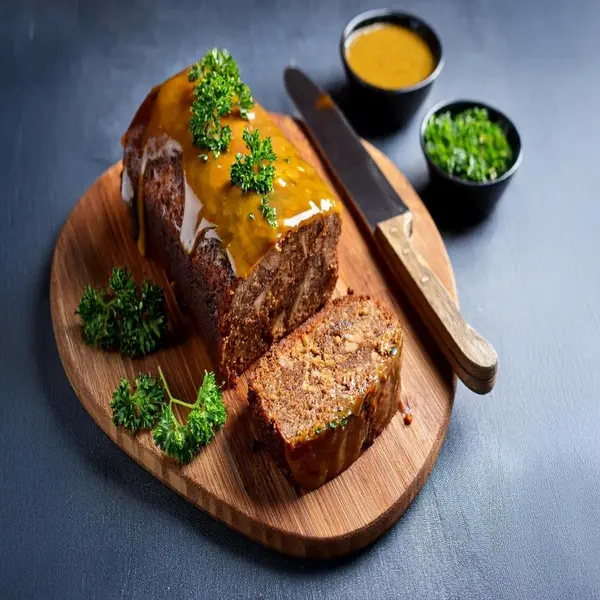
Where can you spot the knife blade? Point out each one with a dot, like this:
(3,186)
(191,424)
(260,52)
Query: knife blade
(343,150)
(472,357)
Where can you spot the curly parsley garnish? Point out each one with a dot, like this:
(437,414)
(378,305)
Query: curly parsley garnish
(123,318)
(207,416)
(218,91)
(468,145)
(254,172)
(142,408)
(137,410)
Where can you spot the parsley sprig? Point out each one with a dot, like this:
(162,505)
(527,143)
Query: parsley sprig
(123,318)
(218,91)
(468,145)
(146,408)
(207,416)
(137,410)
(254,172)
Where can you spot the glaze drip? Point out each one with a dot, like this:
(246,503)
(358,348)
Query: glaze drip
(212,204)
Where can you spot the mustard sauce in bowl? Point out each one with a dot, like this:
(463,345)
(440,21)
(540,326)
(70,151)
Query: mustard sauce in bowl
(389,56)
(391,60)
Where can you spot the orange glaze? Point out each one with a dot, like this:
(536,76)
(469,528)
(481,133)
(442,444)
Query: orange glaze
(297,187)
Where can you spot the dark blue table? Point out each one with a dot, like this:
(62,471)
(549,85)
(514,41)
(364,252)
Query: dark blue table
(512,509)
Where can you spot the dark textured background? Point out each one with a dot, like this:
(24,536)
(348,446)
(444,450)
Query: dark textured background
(512,509)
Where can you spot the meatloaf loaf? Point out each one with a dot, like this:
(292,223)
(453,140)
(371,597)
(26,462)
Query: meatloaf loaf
(325,392)
(245,282)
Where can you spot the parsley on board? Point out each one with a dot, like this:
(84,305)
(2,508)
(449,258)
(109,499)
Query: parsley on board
(207,416)
(123,318)
(137,410)
(144,407)
(218,91)
(468,145)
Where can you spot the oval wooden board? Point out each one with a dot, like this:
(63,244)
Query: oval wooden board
(235,484)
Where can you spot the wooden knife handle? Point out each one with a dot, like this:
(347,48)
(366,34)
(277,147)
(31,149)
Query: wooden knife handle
(473,358)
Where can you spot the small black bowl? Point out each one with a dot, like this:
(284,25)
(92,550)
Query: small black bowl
(458,201)
(393,108)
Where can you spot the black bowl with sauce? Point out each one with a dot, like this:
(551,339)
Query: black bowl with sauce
(392,108)
(459,202)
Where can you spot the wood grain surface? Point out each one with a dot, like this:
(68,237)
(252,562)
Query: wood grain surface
(228,479)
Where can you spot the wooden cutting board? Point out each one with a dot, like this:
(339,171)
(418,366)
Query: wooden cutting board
(230,479)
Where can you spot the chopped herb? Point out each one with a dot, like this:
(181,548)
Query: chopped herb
(140,409)
(268,212)
(218,91)
(287,159)
(339,423)
(394,351)
(468,145)
(254,171)
(121,318)
(251,216)
(207,416)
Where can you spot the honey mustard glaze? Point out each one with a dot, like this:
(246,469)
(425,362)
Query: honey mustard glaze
(216,208)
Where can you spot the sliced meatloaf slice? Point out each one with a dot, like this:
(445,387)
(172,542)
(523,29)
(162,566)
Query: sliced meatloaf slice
(325,392)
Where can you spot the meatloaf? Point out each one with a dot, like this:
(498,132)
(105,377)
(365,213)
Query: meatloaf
(246,283)
(325,392)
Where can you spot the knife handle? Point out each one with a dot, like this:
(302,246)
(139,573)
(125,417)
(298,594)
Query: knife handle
(473,358)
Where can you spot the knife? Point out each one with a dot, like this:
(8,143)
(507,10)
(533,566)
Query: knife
(473,359)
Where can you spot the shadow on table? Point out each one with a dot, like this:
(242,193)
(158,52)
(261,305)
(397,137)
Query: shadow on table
(448,219)
(365,121)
